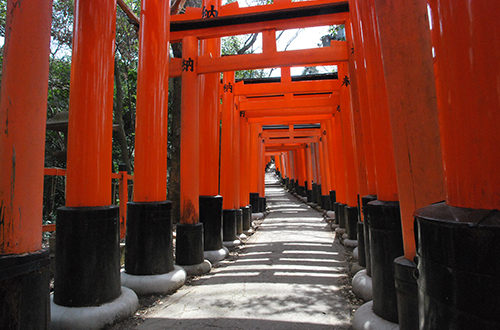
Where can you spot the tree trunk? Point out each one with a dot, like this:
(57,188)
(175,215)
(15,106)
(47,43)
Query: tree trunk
(174,137)
(122,139)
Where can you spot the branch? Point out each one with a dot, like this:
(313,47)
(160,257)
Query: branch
(248,43)
(130,14)
(177,6)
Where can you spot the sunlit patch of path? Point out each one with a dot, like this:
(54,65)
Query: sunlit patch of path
(287,276)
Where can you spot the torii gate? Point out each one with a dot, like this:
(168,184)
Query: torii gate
(393,145)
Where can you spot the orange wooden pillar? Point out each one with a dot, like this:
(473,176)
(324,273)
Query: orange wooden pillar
(261,175)
(244,191)
(358,134)
(147,252)
(358,73)
(407,58)
(88,227)
(340,173)
(309,172)
(23,293)
(460,238)
(210,212)
(236,154)
(227,163)
(360,78)
(189,240)
(331,160)
(303,170)
(325,172)
(351,186)
(316,188)
(382,213)
(253,166)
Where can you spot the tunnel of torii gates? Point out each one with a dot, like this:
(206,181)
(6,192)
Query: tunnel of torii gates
(405,132)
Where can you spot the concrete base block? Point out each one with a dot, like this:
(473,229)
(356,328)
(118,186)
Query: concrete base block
(199,269)
(97,317)
(355,253)
(350,243)
(257,216)
(362,285)
(234,243)
(249,232)
(152,284)
(340,231)
(333,226)
(214,256)
(355,268)
(330,214)
(243,236)
(366,319)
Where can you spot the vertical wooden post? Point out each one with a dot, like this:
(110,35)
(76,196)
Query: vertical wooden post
(22,125)
(227,135)
(406,49)
(209,130)
(149,248)
(465,38)
(190,175)
(24,288)
(88,179)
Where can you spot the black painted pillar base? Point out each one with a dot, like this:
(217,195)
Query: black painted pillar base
(239,221)
(317,198)
(361,245)
(342,222)
(254,202)
(309,194)
(24,290)
(333,197)
(211,217)
(325,202)
(336,210)
(88,256)
(406,292)
(246,217)
(229,225)
(306,185)
(366,231)
(148,249)
(189,244)
(351,221)
(458,253)
(386,244)
(262,204)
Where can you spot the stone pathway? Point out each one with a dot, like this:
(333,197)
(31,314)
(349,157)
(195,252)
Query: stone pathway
(289,275)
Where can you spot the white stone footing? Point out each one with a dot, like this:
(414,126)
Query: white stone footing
(242,236)
(362,285)
(330,214)
(151,284)
(198,269)
(214,256)
(366,319)
(350,243)
(355,253)
(234,243)
(257,216)
(249,232)
(340,231)
(95,317)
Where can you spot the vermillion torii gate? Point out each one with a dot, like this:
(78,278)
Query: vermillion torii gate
(390,147)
